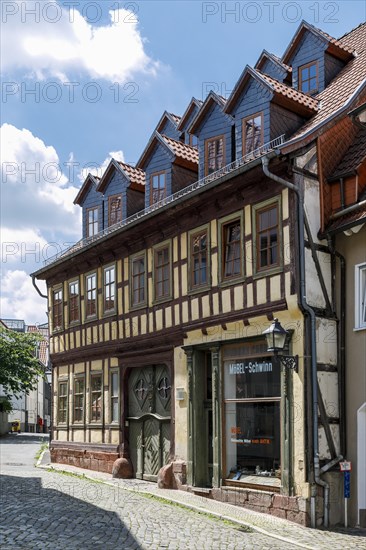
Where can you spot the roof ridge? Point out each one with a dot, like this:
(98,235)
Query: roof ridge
(352,30)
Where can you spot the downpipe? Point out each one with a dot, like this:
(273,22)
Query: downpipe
(314,379)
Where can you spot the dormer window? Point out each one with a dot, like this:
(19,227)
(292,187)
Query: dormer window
(308,78)
(92,222)
(193,141)
(157,187)
(252,133)
(114,209)
(214,154)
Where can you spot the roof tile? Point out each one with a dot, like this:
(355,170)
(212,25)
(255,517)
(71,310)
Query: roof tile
(136,175)
(301,98)
(182,150)
(353,157)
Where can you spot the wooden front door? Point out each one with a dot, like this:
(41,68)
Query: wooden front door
(149,405)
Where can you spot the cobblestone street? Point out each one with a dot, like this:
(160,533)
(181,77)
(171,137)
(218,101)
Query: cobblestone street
(49,509)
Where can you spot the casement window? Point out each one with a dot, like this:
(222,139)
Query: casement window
(252,133)
(199,259)
(214,154)
(91,295)
(162,272)
(138,280)
(308,78)
(62,402)
(114,396)
(157,187)
(96,397)
(109,290)
(74,302)
(92,222)
(79,398)
(231,250)
(360,296)
(114,209)
(267,237)
(57,309)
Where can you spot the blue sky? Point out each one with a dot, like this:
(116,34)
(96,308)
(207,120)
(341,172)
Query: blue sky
(83,82)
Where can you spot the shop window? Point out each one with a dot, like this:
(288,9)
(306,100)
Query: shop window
(62,402)
(79,393)
(252,133)
(91,295)
(109,289)
(214,154)
(252,417)
(96,397)
(138,280)
(360,296)
(114,209)
(74,302)
(114,396)
(199,259)
(308,78)
(57,309)
(91,222)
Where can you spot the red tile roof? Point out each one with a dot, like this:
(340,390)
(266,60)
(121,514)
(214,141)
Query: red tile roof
(43,345)
(299,97)
(353,157)
(348,220)
(355,39)
(176,118)
(338,94)
(135,175)
(182,150)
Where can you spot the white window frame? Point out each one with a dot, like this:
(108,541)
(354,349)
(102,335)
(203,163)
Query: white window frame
(360,296)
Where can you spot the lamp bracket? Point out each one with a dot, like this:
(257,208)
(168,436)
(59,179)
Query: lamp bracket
(289,361)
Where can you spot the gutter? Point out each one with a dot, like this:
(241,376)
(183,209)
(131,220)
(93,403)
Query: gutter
(348,210)
(36,287)
(314,378)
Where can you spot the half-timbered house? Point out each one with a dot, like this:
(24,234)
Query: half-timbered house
(160,366)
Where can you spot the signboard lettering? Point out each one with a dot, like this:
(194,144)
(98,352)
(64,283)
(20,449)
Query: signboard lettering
(250,367)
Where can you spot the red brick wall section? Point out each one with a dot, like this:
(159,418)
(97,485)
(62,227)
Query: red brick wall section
(90,460)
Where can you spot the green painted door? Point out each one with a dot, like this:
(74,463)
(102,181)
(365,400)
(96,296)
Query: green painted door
(149,405)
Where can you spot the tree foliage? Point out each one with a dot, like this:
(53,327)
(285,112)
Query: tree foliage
(19,366)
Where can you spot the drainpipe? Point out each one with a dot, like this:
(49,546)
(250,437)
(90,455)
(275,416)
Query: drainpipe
(36,287)
(305,306)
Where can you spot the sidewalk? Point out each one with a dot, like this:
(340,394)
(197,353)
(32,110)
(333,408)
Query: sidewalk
(280,529)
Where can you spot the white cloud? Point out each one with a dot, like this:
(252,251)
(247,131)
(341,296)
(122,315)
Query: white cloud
(49,48)
(20,300)
(35,192)
(99,170)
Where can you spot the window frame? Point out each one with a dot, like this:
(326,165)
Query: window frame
(243,134)
(158,175)
(114,371)
(222,225)
(360,296)
(165,245)
(191,235)
(94,374)
(62,382)
(135,258)
(256,209)
(77,379)
(300,79)
(71,300)
(88,224)
(113,286)
(89,317)
(207,142)
(119,211)
(57,309)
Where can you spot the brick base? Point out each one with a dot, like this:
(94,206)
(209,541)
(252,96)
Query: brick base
(89,459)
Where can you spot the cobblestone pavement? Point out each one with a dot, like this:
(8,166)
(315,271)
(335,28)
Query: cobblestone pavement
(47,509)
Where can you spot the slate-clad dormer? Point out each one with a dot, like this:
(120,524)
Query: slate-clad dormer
(168,125)
(186,120)
(123,190)
(91,203)
(264,109)
(169,166)
(316,58)
(270,64)
(213,128)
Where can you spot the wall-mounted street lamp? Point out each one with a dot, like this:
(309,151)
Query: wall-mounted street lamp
(276,337)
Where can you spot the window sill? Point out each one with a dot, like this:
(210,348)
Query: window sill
(161,301)
(267,272)
(137,307)
(91,319)
(232,281)
(199,289)
(109,313)
(358,329)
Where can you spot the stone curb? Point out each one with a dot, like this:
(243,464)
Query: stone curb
(170,500)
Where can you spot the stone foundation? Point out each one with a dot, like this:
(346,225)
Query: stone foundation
(84,456)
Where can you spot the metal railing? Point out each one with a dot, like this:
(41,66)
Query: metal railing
(225,170)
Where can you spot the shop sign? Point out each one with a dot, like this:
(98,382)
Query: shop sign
(250,367)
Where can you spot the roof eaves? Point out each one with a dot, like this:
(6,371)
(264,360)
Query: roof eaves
(113,164)
(89,180)
(193,103)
